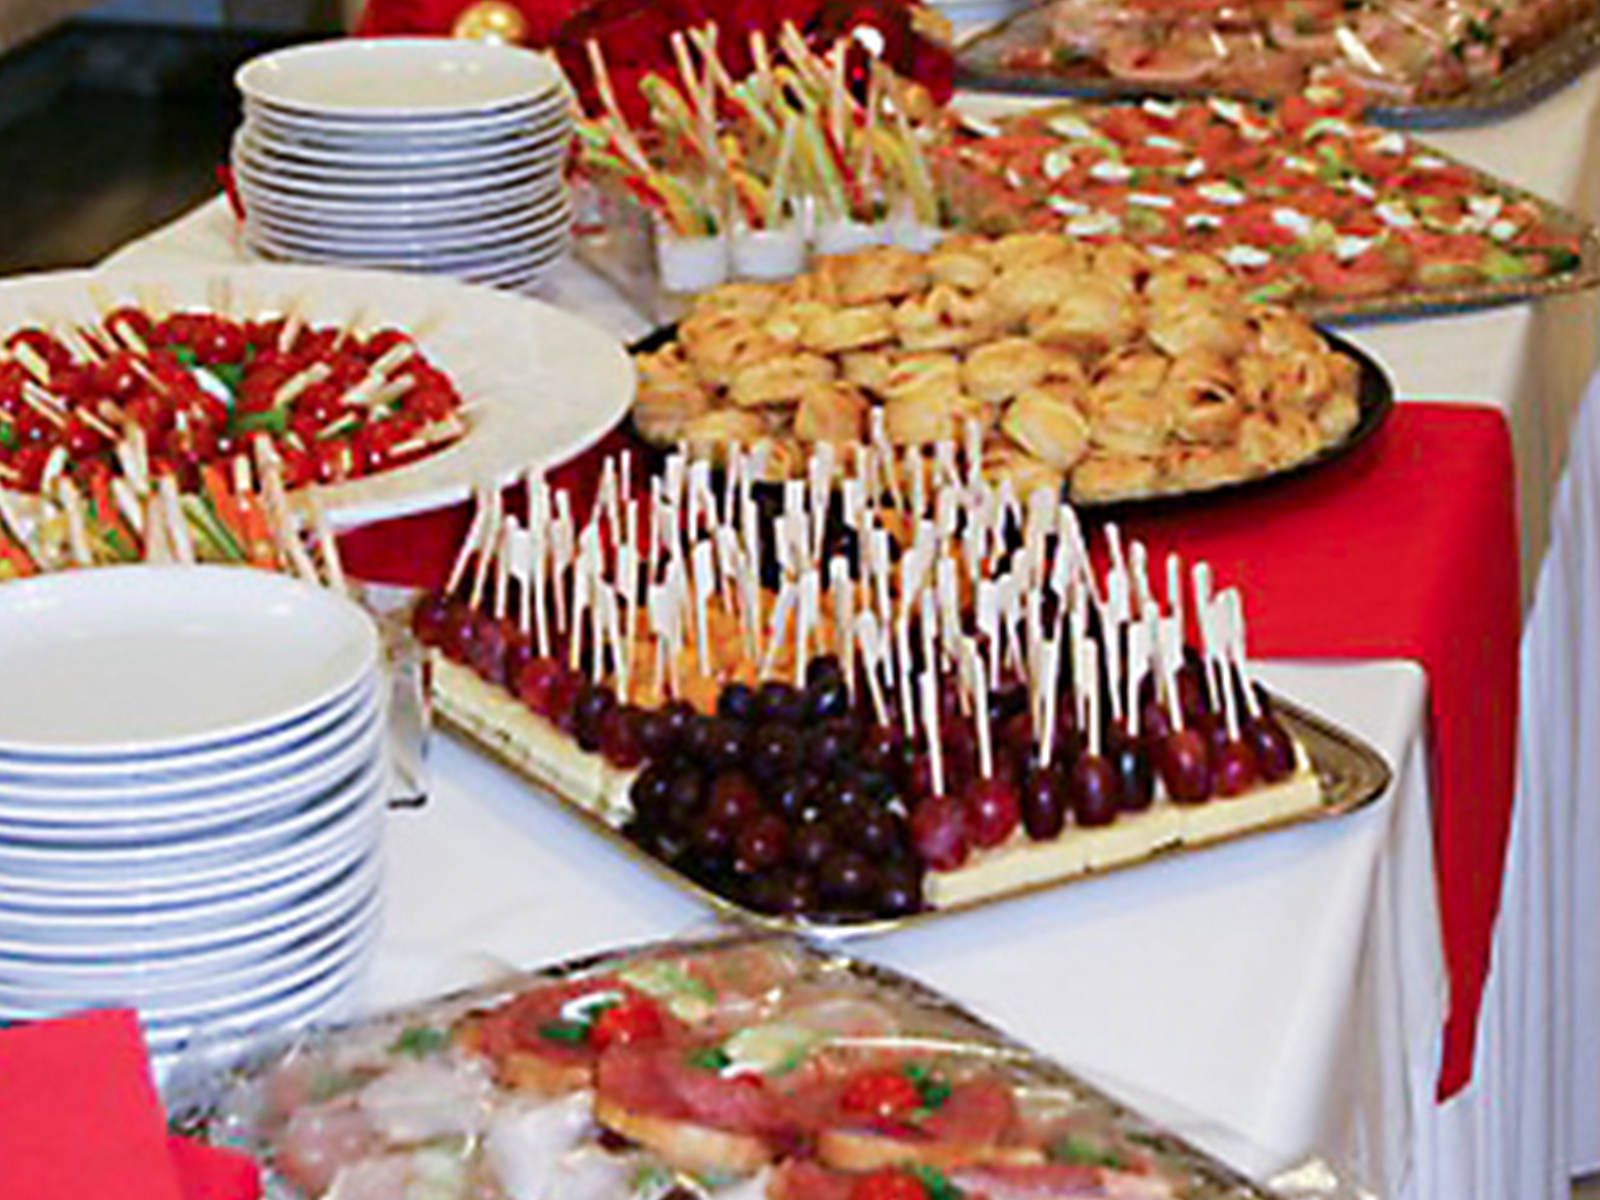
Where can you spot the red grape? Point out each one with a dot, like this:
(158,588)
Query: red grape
(938,831)
(992,811)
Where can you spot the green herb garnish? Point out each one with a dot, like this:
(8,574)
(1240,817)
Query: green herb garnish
(937,1183)
(712,1058)
(1084,1153)
(571,1032)
(420,1041)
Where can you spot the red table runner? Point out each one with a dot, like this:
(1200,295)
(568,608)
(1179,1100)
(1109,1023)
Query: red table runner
(1407,549)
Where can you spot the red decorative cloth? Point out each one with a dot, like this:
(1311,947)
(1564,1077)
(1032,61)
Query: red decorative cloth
(636,34)
(80,1120)
(1407,549)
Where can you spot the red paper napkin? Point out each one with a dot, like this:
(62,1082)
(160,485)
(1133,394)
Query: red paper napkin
(1407,549)
(80,1120)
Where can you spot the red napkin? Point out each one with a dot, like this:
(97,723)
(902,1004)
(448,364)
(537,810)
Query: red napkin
(80,1120)
(1407,550)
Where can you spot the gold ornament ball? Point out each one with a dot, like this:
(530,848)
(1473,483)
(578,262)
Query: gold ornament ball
(491,21)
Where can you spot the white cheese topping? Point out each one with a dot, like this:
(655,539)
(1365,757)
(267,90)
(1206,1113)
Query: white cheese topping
(1324,125)
(1348,247)
(1149,200)
(1194,168)
(1221,193)
(1429,162)
(1249,257)
(1389,143)
(1094,225)
(1295,221)
(1057,163)
(1068,208)
(1202,221)
(1159,142)
(1362,188)
(1110,171)
(1503,231)
(1395,216)
(1072,127)
(1167,110)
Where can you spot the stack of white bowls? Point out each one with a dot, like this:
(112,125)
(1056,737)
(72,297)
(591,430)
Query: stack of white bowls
(425,154)
(192,787)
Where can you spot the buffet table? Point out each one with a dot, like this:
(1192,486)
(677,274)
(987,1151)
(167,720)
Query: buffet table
(1290,989)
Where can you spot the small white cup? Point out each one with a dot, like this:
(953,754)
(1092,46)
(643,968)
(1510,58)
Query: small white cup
(687,265)
(765,254)
(841,235)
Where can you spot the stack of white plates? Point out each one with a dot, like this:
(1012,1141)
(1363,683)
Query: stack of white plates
(192,788)
(426,154)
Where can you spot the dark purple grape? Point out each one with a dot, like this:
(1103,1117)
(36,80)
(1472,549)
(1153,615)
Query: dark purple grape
(697,738)
(519,653)
(734,800)
(1135,777)
(1273,746)
(787,893)
(831,744)
(1044,804)
(826,696)
(429,618)
(845,797)
(788,796)
(649,793)
(726,742)
(713,840)
(847,878)
(1236,770)
(1094,790)
(1192,692)
(779,704)
(737,702)
(1184,762)
(669,845)
(761,845)
(774,750)
(656,737)
(811,846)
(592,703)
(881,748)
(619,736)
(679,716)
(899,891)
(686,796)
(1154,723)
(879,833)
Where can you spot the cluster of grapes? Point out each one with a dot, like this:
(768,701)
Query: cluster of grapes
(797,801)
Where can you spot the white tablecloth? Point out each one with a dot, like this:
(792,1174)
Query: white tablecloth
(1290,990)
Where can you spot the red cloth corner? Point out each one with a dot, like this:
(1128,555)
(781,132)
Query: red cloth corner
(79,1116)
(1407,550)
(212,1173)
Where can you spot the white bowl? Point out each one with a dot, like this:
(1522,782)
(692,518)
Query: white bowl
(141,660)
(402,78)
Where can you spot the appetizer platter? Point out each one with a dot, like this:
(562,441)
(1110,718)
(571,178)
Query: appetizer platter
(750,177)
(384,394)
(1310,205)
(1438,63)
(742,1068)
(1106,371)
(939,704)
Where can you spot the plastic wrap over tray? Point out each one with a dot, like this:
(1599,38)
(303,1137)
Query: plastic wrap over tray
(742,1067)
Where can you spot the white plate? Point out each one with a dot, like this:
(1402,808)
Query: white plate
(231,782)
(141,660)
(200,961)
(134,822)
(111,926)
(332,999)
(516,223)
(467,271)
(444,188)
(399,77)
(545,385)
(446,208)
(449,254)
(138,980)
(547,154)
(32,953)
(177,1000)
(305,835)
(467,155)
